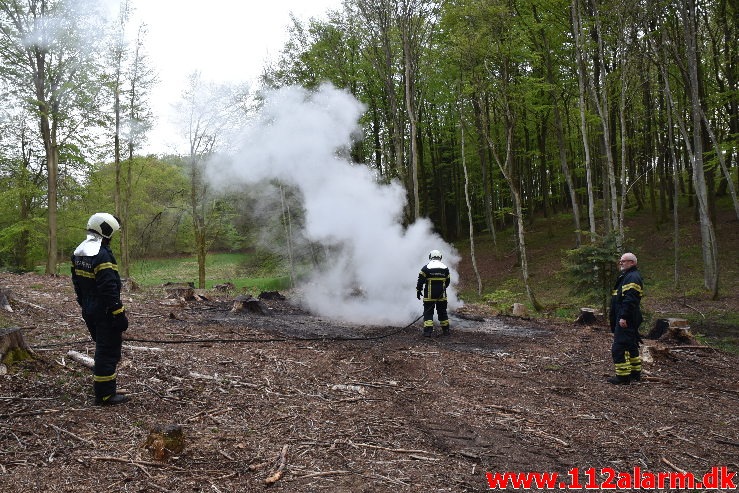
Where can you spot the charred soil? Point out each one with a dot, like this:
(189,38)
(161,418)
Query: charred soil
(314,404)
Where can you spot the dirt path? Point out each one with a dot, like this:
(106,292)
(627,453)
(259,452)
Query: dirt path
(399,413)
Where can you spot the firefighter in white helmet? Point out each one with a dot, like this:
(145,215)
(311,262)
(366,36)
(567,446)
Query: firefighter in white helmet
(432,283)
(98,288)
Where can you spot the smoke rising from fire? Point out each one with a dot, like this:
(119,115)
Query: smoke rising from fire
(301,138)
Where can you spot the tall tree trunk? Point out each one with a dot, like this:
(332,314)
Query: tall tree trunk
(708,237)
(481,124)
(600,98)
(676,191)
(412,119)
(469,218)
(583,112)
(507,170)
(722,162)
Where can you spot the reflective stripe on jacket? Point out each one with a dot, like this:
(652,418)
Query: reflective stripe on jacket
(626,298)
(96,281)
(433,281)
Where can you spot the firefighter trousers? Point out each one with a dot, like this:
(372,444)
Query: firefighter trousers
(625,351)
(108,343)
(428,315)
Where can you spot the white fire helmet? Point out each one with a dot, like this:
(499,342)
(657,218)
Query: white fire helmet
(434,255)
(103,224)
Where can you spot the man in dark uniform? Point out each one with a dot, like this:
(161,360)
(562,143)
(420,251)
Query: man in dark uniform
(98,288)
(432,283)
(625,320)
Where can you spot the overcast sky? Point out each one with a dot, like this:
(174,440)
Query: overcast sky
(227,40)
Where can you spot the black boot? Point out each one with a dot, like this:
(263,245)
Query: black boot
(635,376)
(619,380)
(428,332)
(112,400)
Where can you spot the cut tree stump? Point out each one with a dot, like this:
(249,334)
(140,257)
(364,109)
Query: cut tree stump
(165,441)
(180,291)
(130,285)
(5,296)
(588,316)
(13,347)
(225,287)
(519,310)
(248,303)
(671,328)
(271,295)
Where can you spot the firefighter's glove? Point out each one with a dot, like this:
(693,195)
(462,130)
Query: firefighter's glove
(120,320)
(418,295)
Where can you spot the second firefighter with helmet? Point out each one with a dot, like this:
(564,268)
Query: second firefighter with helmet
(433,280)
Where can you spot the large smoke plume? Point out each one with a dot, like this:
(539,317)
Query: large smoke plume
(300,138)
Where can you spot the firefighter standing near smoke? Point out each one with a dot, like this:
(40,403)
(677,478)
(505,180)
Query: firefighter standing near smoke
(432,283)
(98,288)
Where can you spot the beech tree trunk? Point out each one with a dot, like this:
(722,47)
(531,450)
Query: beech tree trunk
(583,112)
(469,218)
(708,237)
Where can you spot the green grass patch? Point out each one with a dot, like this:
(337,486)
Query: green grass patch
(219,268)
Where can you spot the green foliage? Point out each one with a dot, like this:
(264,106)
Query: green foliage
(592,269)
(503,297)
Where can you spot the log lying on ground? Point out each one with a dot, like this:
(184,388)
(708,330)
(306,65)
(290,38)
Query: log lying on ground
(12,346)
(81,359)
(248,303)
(5,300)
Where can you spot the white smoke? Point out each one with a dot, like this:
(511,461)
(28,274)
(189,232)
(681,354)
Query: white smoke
(298,139)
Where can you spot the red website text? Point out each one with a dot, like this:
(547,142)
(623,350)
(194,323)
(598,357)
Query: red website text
(718,478)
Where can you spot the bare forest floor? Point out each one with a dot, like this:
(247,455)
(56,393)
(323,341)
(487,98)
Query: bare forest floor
(394,413)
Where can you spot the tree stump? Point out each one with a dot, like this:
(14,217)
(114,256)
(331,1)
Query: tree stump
(164,441)
(13,347)
(271,295)
(671,328)
(225,287)
(248,303)
(183,291)
(130,285)
(588,316)
(5,300)
(519,310)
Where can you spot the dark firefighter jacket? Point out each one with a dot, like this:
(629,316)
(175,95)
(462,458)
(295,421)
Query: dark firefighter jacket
(433,281)
(626,298)
(97,283)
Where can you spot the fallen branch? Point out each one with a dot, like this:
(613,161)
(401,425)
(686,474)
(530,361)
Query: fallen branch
(397,450)
(681,471)
(693,308)
(81,359)
(280,469)
(85,440)
(28,303)
(709,348)
(318,474)
(726,442)
(137,462)
(141,348)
